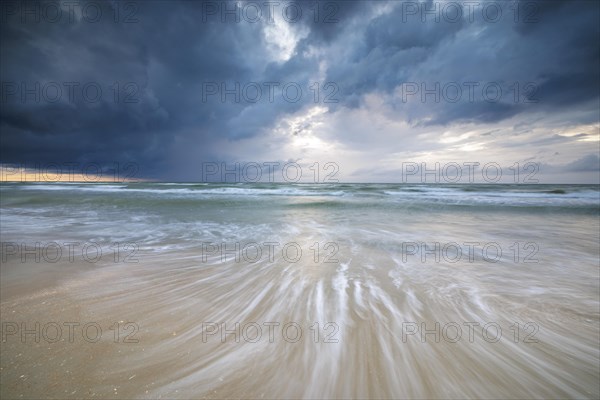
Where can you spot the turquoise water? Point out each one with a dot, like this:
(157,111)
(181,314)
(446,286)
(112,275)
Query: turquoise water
(155,213)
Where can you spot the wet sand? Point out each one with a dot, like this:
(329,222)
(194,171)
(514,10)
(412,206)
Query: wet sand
(172,298)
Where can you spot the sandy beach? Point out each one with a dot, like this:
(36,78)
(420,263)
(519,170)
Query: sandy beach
(370,318)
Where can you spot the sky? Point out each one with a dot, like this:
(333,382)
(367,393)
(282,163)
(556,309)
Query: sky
(373,91)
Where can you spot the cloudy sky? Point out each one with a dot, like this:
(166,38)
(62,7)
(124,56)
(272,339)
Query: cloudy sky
(370,86)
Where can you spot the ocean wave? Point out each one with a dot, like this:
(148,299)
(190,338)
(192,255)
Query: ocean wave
(349,195)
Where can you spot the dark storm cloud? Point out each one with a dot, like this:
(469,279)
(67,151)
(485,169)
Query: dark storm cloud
(169,51)
(163,57)
(553,48)
(327,19)
(391,46)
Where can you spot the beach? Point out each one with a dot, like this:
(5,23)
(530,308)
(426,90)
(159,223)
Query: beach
(187,290)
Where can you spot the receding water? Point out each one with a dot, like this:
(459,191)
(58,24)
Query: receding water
(154,290)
